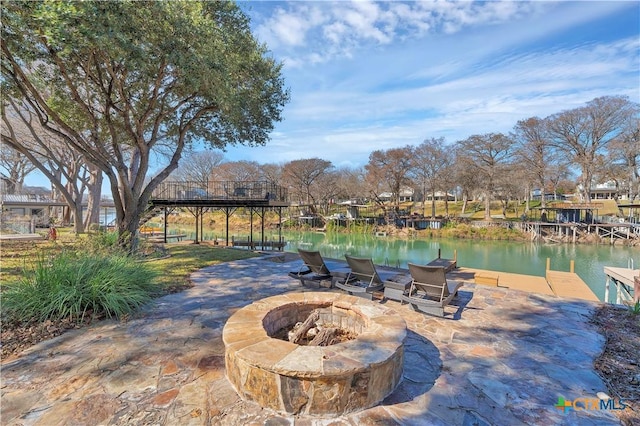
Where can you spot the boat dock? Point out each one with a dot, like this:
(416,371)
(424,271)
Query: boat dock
(556,283)
(569,284)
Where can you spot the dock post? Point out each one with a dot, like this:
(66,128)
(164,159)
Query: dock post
(439,252)
(606,289)
(572,264)
(455,255)
(548,264)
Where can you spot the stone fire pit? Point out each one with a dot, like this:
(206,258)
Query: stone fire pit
(314,380)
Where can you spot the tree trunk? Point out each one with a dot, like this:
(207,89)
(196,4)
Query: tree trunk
(487,206)
(433,204)
(95,195)
(77,220)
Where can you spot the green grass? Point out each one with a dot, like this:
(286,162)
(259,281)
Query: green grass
(74,285)
(87,276)
(184,259)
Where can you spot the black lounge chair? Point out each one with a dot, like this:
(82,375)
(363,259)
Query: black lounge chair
(363,278)
(430,290)
(314,269)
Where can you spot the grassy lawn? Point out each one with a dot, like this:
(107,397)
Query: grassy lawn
(173,270)
(186,258)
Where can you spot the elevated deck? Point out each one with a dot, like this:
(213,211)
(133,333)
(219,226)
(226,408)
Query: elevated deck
(218,194)
(199,197)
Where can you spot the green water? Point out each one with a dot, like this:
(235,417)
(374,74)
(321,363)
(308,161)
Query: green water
(516,257)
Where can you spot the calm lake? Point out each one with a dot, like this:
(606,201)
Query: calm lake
(516,257)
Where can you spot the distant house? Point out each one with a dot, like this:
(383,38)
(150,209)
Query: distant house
(536,195)
(440,196)
(605,191)
(405,195)
(32,207)
(39,207)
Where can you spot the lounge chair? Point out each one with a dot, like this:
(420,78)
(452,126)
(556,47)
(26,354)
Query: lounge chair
(430,290)
(363,278)
(314,269)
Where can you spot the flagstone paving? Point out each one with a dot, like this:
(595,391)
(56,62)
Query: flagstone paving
(503,358)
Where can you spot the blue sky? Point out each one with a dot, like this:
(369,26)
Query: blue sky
(376,75)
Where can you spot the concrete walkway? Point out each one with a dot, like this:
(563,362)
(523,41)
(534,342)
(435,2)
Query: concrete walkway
(503,358)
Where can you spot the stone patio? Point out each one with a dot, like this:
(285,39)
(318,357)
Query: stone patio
(503,357)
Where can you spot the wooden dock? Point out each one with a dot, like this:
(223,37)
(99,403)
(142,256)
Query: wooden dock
(529,283)
(569,284)
(556,283)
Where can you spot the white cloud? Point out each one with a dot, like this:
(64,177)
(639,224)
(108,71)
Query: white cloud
(334,29)
(379,75)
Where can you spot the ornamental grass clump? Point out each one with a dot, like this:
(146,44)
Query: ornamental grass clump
(75,286)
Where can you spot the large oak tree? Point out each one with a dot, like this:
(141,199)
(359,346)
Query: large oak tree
(128,83)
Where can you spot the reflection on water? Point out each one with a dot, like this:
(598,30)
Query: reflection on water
(516,257)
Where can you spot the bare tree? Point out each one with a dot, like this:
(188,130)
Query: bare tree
(301,176)
(272,172)
(15,166)
(625,154)
(326,190)
(199,167)
(534,152)
(486,157)
(431,160)
(584,133)
(349,183)
(560,179)
(510,184)
(238,171)
(390,167)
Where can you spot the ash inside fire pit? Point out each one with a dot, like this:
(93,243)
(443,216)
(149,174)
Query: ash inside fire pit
(314,324)
(314,332)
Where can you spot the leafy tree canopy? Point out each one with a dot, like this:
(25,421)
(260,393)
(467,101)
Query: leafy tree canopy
(124,81)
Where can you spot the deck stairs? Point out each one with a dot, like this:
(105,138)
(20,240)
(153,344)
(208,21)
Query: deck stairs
(149,214)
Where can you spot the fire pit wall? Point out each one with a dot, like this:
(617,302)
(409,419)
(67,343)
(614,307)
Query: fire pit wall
(314,380)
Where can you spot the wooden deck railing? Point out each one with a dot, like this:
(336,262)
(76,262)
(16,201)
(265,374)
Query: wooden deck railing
(220,190)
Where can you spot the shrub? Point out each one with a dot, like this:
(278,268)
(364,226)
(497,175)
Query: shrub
(103,242)
(75,285)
